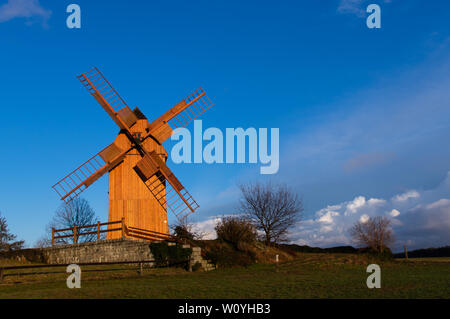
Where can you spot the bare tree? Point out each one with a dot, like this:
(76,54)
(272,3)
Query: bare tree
(7,239)
(77,212)
(272,208)
(375,233)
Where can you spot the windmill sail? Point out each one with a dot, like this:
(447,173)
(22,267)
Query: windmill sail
(172,195)
(108,98)
(81,178)
(180,115)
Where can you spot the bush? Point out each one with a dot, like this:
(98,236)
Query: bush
(182,232)
(224,255)
(236,231)
(166,255)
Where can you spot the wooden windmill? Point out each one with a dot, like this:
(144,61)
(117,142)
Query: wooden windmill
(141,186)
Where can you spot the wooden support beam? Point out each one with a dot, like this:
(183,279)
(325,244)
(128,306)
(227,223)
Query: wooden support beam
(75,239)
(123,227)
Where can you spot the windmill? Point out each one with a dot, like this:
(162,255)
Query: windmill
(141,186)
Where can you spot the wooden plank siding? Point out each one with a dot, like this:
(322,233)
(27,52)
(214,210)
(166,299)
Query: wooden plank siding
(128,196)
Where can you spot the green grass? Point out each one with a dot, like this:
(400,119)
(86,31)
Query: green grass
(308,276)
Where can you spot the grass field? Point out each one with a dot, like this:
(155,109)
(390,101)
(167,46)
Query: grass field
(308,276)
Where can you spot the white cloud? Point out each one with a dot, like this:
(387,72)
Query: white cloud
(364,218)
(355,7)
(394,213)
(351,7)
(405,196)
(23,9)
(357,203)
(206,227)
(419,225)
(439,204)
(326,229)
(327,216)
(376,201)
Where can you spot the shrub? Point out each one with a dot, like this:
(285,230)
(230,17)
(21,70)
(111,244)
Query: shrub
(183,232)
(236,231)
(224,255)
(166,255)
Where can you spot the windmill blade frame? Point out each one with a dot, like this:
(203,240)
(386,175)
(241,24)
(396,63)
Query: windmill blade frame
(87,173)
(105,94)
(183,113)
(173,196)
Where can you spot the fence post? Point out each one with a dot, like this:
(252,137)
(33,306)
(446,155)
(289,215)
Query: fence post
(75,234)
(123,227)
(1,274)
(98,231)
(406,252)
(53,236)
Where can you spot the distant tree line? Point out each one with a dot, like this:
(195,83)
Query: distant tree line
(427,252)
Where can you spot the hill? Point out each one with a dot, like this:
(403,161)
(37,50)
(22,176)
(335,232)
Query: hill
(428,252)
(308,249)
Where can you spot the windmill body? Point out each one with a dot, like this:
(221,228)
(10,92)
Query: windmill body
(129,198)
(141,186)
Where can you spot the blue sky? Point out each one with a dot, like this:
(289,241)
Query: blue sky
(362,112)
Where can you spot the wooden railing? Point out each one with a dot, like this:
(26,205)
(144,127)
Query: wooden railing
(126,231)
(140,264)
(146,234)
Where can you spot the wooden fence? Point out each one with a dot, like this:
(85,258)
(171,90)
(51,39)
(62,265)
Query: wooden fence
(140,263)
(126,232)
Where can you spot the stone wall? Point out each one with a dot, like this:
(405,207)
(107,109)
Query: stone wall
(115,250)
